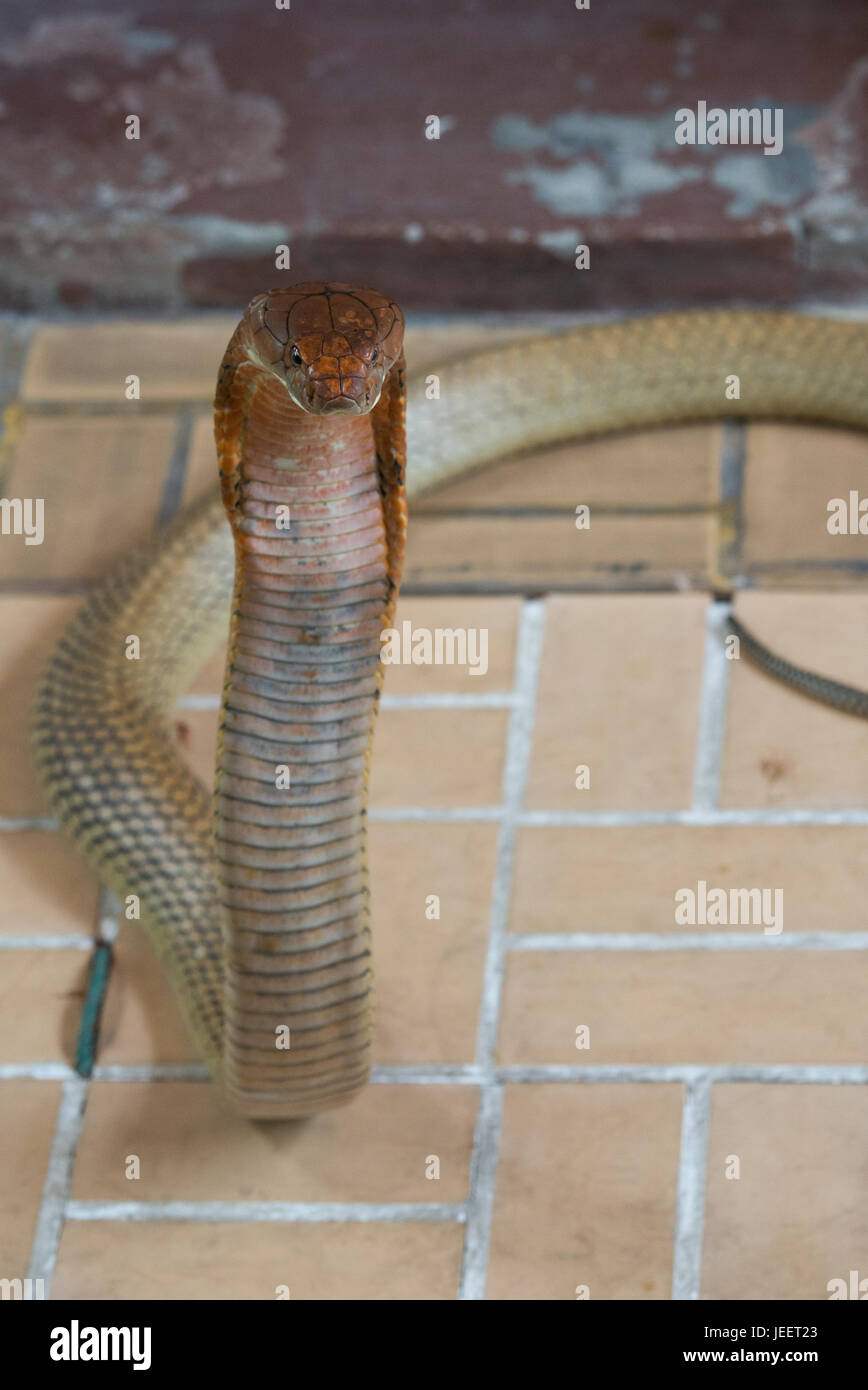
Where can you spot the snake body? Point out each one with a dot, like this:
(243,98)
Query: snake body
(257,904)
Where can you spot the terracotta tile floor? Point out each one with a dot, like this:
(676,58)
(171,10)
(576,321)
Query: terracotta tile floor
(574,1095)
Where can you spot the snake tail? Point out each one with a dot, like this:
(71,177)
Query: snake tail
(256,898)
(847,698)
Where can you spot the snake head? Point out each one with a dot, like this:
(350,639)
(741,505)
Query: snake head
(332,345)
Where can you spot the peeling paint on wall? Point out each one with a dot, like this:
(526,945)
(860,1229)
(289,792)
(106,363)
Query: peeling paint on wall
(258,130)
(561,243)
(198,132)
(626,159)
(619,165)
(835,219)
(755,182)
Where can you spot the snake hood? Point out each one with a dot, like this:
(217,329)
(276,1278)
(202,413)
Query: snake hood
(331,344)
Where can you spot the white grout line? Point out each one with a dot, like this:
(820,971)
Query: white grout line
(795,815)
(707,771)
(756,940)
(712,712)
(28,823)
(517,759)
(180,1071)
(70,1116)
(23,942)
(304,1212)
(486,1141)
(428,1075)
(770,1073)
(484,699)
(811,1073)
(433,813)
(111,912)
(55,1193)
(687,1260)
(480,1202)
(36,1071)
(690,941)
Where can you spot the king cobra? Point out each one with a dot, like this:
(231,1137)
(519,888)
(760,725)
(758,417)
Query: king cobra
(257,904)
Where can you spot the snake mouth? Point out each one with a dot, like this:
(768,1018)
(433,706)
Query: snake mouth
(340,405)
(315,398)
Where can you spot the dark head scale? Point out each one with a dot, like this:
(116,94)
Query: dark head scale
(332,344)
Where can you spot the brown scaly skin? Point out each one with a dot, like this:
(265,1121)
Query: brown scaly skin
(263,925)
(309,416)
(101,728)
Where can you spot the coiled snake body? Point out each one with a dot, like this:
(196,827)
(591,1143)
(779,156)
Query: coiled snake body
(260,911)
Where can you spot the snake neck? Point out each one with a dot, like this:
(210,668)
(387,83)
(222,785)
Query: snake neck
(302,681)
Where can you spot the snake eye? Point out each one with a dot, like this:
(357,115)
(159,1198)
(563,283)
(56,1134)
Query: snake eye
(374,355)
(295,355)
